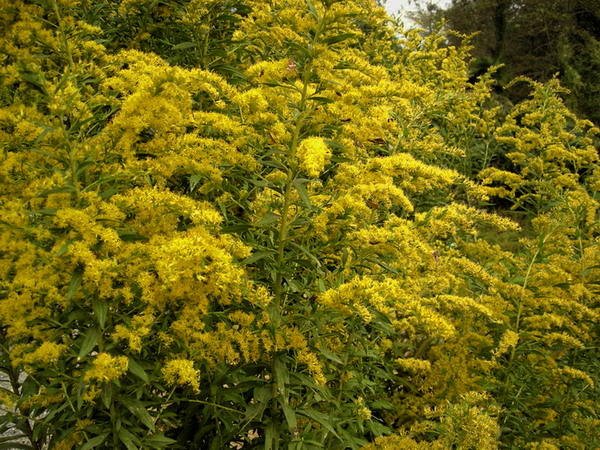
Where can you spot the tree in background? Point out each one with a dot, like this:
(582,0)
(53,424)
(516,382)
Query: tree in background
(538,39)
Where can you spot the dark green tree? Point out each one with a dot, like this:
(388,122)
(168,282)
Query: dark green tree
(536,38)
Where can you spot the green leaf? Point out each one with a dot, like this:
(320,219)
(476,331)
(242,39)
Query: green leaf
(45,212)
(37,79)
(63,249)
(351,438)
(262,395)
(321,99)
(74,283)
(259,183)
(321,284)
(158,440)
(12,437)
(312,9)
(59,190)
(307,253)
(107,193)
(332,82)
(137,370)
(282,375)
(300,48)
(402,381)
(137,408)
(331,356)
(290,415)
(338,38)
(40,432)
(89,342)
(273,163)
(15,446)
(304,442)
(295,285)
(551,426)
(382,404)
(84,165)
(340,159)
(184,45)
(106,395)
(256,256)
(100,307)
(94,442)
(299,185)
(321,418)
(130,236)
(228,70)
(236,228)
(268,219)
(195,181)
(60,159)
(270,433)
(127,438)
(382,264)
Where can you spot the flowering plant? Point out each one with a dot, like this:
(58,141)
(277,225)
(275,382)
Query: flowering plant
(276,224)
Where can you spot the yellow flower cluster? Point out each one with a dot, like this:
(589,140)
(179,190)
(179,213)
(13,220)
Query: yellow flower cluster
(106,367)
(181,372)
(140,328)
(313,364)
(313,154)
(414,365)
(46,353)
(508,341)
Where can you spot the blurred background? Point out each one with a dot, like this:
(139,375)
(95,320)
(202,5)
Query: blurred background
(540,39)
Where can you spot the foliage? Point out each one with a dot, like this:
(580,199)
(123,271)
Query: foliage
(537,39)
(279,224)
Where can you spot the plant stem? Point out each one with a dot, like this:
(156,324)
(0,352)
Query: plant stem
(113,416)
(291,175)
(520,312)
(63,35)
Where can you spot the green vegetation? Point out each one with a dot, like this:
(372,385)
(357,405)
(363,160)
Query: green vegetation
(534,38)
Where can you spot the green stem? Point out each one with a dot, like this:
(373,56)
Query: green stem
(291,175)
(284,228)
(63,35)
(282,236)
(520,310)
(115,433)
(525,282)
(216,405)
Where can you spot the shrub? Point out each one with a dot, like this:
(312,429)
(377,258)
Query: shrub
(251,224)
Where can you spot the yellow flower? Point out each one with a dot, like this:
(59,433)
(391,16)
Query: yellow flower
(182,372)
(313,154)
(91,394)
(509,340)
(315,368)
(107,367)
(414,365)
(46,353)
(361,410)
(296,338)
(140,328)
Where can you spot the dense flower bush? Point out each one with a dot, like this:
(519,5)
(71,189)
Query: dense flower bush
(286,223)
